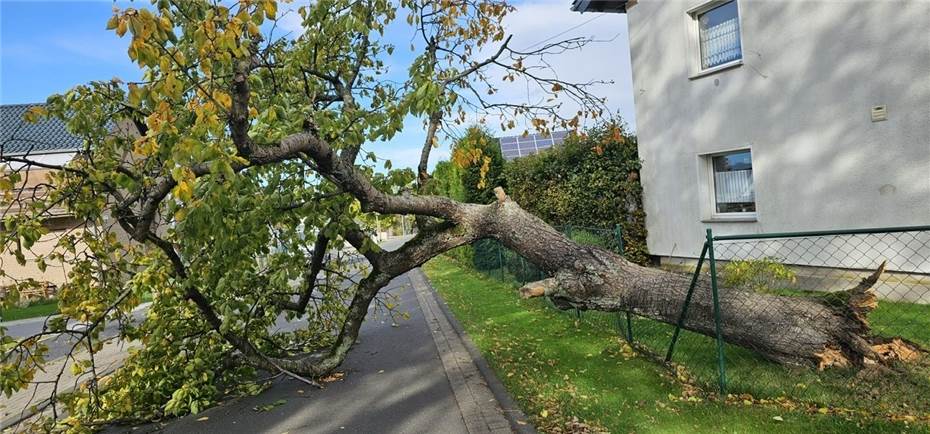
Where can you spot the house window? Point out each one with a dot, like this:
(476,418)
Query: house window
(718,35)
(733,187)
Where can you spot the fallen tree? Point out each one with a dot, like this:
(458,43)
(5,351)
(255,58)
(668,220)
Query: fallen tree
(236,175)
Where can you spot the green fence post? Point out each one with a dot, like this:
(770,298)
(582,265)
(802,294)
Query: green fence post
(684,307)
(500,258)
(568,234)
(629,327)
(721,364)
(618,233)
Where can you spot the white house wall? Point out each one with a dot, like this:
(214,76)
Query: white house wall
(801,101)
(55,158)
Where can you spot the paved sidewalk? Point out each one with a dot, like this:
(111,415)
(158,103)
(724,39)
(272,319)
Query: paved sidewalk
(412,377)
(471,389)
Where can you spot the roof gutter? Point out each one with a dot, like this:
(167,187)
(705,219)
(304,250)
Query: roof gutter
(610,6)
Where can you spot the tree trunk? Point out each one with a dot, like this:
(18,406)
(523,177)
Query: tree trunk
(793,330)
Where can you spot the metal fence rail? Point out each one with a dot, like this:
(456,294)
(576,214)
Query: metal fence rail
(813,264)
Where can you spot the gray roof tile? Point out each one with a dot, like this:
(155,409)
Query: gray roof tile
(19,137)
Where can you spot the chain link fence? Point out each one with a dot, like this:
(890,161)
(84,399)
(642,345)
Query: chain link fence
(820,266)
(491,258)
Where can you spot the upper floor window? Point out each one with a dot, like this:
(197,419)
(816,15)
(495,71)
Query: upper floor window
(718,34)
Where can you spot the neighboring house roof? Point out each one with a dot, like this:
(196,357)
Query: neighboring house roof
(48,136)
(618,6)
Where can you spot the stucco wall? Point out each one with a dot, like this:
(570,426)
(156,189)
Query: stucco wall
(58,222)
(55,273)
(801,101)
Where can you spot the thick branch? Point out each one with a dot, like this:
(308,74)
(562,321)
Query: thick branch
(435,120)
(316,264)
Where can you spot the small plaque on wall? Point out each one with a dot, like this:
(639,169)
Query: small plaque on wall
(879,113)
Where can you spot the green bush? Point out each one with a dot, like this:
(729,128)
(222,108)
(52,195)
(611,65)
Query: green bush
(464,255)
(486,255)
(446,180)
(582,236)
(764,275)
(590,180)
(480,165)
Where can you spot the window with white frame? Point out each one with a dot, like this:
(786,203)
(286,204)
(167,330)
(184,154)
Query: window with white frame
(733,187)
(718,34)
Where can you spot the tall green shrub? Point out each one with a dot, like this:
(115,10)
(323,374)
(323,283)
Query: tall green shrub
(446,180)
(476,168)
(478,156)
(590,180)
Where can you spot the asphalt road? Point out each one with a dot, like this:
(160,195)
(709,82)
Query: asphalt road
(394,382)
(60,345)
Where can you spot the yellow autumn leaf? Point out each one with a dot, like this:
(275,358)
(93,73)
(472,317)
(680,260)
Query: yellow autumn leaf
(222,98)
(184,191)
(121,28)
(34,113)
(271,9)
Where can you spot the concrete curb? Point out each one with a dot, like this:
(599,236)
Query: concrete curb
(487,404)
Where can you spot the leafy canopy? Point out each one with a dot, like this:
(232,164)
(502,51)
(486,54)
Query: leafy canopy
(196,185)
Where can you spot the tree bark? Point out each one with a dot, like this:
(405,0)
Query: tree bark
(791,330)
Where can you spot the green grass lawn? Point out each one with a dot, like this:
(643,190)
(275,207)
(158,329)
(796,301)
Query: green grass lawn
(32,310)
(40,308)
(899,392)
(559,368)
(890,318)
(908,320)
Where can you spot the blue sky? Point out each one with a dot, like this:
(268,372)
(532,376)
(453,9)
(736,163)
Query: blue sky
(47,47)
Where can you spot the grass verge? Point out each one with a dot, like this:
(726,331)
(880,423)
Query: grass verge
(34,309)
(571,375)
(40,308)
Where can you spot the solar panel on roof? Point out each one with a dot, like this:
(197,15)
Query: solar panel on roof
(520,146)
